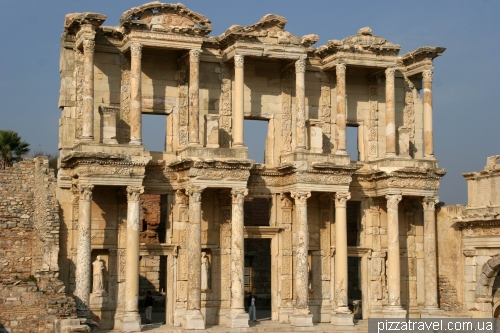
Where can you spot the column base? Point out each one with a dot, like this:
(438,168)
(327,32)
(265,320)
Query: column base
(131,322)
(390,155)
(237,318)
(433,312)
(301,318)
(342,319)
(195,144)
(341,152)
(194,320)
(394,311)
(135,142)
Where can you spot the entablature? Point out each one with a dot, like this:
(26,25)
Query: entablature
(419,60)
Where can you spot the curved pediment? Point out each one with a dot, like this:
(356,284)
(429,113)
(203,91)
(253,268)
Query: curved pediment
(170,18)
(363,41)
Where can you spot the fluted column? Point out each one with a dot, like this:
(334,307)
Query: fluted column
(135,95)
(341,277)
(394,308)
(88,90)
(194,97)
(390,113)
(301,314)
(194,319)
(237,317)
(430,261)
(341,109)
(428,134)
(83,264)
(300,102)
(131,317)
(239,101)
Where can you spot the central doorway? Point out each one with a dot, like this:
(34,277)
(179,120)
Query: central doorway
(258,275)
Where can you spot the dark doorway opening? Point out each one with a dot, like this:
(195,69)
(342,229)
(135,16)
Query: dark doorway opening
(258,275)
(354,292)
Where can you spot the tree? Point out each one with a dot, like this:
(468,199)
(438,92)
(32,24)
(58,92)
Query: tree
(11,148)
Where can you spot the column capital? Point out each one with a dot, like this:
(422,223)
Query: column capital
(85,191)
(390,72)
(340,69)
(393,200)
(194,193)
(88,45)
(300,65)
(430,202)
(300,197)
(341,199)
(136,50)
(238,195)
(194,55)
(239,60)
(134,193)
(427,75)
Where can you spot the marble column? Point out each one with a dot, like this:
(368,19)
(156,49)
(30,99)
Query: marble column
(131,321)
(390,113)
(88,90)
(239,101)
(341,109)
(194,97)
(194,319)
(393,309)
(342,313)
(135,95)
(83,262)
(237,317)
(428,134)
(430,261)
(301,315)
(300,102)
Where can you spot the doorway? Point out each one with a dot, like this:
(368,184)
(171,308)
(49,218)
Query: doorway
(258,275)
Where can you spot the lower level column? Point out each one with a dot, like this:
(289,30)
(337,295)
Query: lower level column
(83,270)
(342,316)
(131,321)
(301,315)
(393,309)
(237,317)
(194,319)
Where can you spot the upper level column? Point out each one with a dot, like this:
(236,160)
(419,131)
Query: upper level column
(300,70)
(194,97)
(88,90)
(390,113)
(239,101)
(428,134)
(341,109)
(135,95)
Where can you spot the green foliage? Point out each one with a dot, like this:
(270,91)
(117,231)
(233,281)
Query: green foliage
(11,148)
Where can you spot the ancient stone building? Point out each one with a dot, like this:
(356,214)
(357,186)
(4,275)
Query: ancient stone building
(320,235)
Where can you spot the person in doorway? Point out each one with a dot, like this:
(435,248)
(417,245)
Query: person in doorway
(252,315)
(148,304)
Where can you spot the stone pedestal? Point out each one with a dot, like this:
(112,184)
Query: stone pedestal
(342,319)
(131,322)
(394,312)
(212,130)
(301,320)
(390,113)
(341,110)
(194,320)
(108,124)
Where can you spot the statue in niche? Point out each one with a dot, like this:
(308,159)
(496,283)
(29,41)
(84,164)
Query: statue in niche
(98,276)
(205,271)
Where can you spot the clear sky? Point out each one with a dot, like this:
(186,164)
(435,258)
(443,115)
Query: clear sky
(466,116)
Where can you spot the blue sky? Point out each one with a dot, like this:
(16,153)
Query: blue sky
(466,105)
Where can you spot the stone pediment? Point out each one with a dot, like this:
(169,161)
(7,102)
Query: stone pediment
(422,53)
(363,42)
(73,22)
(168,18)
(269,30)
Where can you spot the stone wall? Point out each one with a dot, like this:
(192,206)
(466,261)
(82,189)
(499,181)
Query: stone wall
(31,295)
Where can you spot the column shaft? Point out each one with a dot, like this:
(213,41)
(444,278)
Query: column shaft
(430,261)
(393,265)
(390,113)
(135,95)
(194,97)
(83,260)
(239,101)
(302,266)
(341,109)
(300,70)
(341,277)
(428,134)
(131,317)
(88,90)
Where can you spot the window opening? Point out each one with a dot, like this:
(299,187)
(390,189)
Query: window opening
(255,136)
(352,142)
(154,130)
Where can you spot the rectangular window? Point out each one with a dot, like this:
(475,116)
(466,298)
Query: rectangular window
(352,142)
(255,136)
(154,130)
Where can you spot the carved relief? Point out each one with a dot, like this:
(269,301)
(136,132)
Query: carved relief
(409,111)
(225,106)
(326,112)
(373,123)
(124,136)
(79,76)
(183,91)
(286,108)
